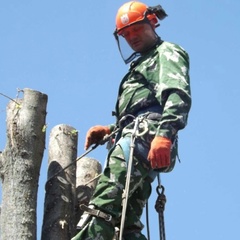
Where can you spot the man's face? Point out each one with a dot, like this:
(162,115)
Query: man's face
(139,36)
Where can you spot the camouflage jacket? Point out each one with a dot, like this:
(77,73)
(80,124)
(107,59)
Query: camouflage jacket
(160,77)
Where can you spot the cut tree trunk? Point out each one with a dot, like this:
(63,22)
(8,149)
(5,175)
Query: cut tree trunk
(59,207)
(88,172)
(20,165)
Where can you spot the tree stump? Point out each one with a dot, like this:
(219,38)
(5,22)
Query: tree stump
(59,208)
(88,172)
(20,165)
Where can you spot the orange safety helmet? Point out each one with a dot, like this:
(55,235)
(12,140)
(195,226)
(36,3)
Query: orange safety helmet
(133,12)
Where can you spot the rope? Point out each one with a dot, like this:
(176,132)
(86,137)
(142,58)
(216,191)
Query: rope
(147,221)
(103,141)
(160,206)
(83,155)
(127,184)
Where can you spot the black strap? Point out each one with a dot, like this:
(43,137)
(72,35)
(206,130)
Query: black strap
(158,11)
(98,213)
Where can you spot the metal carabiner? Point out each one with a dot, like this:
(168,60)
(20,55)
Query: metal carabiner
(142,125)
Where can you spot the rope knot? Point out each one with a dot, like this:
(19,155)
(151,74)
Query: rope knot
(161,200)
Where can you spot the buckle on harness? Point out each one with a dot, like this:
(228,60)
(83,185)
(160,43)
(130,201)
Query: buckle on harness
(109,218)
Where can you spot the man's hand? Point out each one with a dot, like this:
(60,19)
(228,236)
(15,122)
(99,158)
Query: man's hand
(159,154)
(95,135)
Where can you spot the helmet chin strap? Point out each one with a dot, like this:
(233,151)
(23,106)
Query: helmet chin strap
(134,54)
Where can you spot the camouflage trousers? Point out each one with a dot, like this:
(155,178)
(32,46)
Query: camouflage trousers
(108,193)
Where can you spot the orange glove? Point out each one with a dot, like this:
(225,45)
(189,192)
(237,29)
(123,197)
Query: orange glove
(95,135)
(159,154)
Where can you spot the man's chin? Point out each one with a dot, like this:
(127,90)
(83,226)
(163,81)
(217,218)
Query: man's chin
(137,47)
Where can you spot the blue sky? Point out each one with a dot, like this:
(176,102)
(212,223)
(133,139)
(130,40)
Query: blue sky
(66,50)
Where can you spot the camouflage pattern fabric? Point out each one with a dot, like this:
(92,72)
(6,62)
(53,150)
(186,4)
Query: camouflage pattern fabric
(166,71)
(158,78)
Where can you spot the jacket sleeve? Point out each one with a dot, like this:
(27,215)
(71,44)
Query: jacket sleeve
(112,127)
(173,89)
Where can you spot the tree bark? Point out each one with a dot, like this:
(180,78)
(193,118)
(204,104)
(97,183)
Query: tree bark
(20,165)
(59,208)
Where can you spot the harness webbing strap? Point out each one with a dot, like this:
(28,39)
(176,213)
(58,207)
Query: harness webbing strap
(98,213)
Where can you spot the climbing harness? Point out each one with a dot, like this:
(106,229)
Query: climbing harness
(140,128)
(160,206)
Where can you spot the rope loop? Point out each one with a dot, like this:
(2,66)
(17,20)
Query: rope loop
(160,206)
(161,200)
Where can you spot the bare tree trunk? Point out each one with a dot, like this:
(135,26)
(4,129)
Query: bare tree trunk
(59,208)
(20,166)
(88,172)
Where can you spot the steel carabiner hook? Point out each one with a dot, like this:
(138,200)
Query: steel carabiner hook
(142,125)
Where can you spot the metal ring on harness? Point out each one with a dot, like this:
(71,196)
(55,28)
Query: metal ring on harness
(129,118)
(142,125)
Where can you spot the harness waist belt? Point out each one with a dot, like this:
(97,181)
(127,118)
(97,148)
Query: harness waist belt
(152,113)
(151,109)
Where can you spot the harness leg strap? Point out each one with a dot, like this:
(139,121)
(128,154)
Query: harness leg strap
(90,211)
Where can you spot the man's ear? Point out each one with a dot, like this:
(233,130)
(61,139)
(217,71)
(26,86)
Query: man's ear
(154,22)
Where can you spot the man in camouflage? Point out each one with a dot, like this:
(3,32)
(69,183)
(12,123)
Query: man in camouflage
(156,90)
